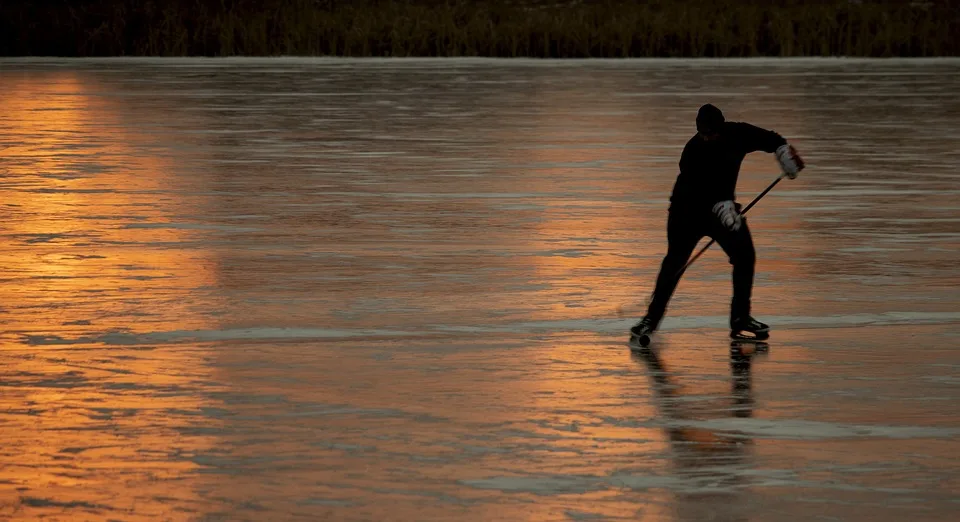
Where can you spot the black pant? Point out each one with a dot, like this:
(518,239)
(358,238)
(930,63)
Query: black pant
(684,229)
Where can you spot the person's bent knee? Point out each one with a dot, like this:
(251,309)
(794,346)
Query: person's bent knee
(747,258)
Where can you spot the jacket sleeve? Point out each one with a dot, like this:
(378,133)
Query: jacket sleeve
(754,138)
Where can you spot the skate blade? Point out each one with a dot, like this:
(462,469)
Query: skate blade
(638,342)
(749,337)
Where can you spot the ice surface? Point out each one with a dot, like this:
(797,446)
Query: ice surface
(307,289)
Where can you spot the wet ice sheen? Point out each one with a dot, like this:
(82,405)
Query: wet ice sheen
(285,289)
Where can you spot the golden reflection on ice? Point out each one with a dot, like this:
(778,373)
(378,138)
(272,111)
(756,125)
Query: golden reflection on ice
(86,235)
(108,431)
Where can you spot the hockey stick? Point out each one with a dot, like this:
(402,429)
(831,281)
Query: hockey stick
(742,212)
(621,309)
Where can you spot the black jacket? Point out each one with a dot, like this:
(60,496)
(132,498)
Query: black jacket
(709,169)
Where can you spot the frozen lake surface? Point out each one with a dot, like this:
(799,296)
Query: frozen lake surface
(387,290)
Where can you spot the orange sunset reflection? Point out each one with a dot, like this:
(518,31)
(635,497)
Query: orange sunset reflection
(77,269)
(85,210)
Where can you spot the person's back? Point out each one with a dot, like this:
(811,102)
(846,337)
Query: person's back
(710,162)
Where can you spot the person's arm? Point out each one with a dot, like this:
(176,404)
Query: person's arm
(754,138)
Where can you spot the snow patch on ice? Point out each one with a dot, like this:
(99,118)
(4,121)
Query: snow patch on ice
(796,429)
(190,226)
(607,326)
(716,479)
(268,333)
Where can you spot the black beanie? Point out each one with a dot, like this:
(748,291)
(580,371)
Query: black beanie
(709,117)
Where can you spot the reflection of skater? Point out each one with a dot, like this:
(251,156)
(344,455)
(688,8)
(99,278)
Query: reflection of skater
(671,405)
(702,204)
(711,460)
(741,357)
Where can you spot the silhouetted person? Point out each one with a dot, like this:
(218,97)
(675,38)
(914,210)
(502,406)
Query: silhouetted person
(702,204)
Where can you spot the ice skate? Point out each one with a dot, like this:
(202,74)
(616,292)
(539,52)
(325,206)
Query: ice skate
(640,333)
(748,329)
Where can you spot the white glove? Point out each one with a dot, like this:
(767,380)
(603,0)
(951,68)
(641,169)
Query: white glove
(727,212)
(789,160)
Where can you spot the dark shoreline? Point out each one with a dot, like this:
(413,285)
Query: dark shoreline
(585,29)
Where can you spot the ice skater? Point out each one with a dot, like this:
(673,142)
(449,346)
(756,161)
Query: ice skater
(703,204)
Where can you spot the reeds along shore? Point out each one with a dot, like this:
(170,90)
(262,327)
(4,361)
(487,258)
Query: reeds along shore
(572,29)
